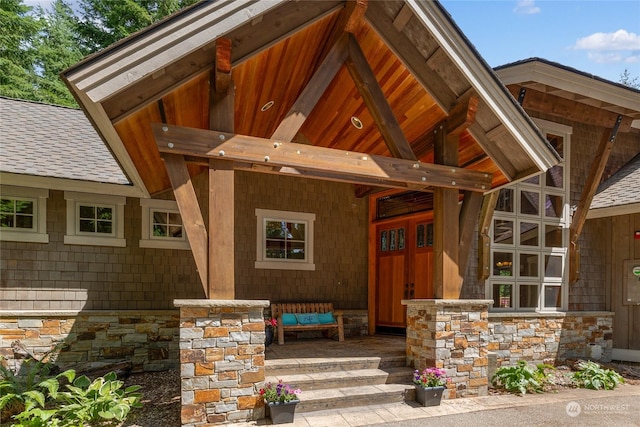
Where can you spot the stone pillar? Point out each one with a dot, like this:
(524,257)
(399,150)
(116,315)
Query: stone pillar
(453,335)
(221,361)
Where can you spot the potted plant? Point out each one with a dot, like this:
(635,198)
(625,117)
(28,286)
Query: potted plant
(269,331)
(430,383)
(281,399)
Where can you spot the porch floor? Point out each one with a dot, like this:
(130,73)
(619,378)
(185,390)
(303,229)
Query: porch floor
(382,346)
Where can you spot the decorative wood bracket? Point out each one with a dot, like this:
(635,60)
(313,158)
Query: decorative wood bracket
(600,159)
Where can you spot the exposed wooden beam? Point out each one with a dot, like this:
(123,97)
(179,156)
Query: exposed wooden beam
(570,110)
(190,53)
(484,242)
(346,166)
(313,91)
(350,19)
(447,282)
(403,17)
(376,102)
(469,212)
(223,65)
(190,212)
(462,115)
(402,44)
(221,195)
(600,159)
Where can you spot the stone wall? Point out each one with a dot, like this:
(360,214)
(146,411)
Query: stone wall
(453,335)
(147,339)
(550,337)
(221,361)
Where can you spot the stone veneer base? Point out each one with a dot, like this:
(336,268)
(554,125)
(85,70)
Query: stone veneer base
(453,335)
(221,360)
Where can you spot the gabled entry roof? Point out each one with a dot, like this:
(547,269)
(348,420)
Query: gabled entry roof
(375,77)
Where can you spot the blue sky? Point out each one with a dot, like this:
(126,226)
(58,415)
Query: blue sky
(600,37)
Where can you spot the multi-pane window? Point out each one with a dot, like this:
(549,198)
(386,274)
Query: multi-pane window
(162,225)
(23,214)
(530,237)
(94,219)
(17,213)
(285,240)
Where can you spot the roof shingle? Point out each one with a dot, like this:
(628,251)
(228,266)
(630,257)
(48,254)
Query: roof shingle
(622,188)
(53,141)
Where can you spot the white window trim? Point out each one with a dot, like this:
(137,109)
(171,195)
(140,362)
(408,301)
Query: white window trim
(148,240)
(38,234)
(541,281)
(262,262)
(74,237)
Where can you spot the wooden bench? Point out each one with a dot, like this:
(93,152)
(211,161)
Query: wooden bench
(277,310)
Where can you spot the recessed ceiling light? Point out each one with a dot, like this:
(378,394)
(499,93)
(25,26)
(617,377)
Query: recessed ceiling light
(268,105)
(356,122)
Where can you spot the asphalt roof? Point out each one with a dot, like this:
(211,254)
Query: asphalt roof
(622,188)
(53,141)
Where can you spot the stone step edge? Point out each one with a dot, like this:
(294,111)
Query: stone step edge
(347,397)
(393,374)
(333,364)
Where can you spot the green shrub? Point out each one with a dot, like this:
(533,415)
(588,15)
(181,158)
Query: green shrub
(16,390)
(593,376)
(522,378)
(79,402)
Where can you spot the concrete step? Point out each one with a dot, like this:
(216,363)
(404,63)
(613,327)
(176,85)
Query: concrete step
(349,378)
(346,397)
(280,367)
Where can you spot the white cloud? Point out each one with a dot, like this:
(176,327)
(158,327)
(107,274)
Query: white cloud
(526,7)
(619,40)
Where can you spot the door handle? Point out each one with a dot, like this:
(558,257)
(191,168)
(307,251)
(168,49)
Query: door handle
(412,291)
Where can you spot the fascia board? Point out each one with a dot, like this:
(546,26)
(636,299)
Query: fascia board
(547,74)
(50,183)
(486,83)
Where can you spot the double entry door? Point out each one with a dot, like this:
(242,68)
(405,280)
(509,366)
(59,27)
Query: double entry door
(404,260)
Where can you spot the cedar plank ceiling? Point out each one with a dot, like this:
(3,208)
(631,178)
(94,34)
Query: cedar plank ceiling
(281,71)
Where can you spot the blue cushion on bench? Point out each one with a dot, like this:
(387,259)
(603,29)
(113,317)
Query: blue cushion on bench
(307,318)
(326,318)
(289,319)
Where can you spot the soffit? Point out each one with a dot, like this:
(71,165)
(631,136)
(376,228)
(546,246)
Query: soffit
(420,79)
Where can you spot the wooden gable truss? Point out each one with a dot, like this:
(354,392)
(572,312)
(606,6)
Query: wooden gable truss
(189,91)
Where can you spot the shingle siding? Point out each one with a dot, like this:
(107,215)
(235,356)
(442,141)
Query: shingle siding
(57,276)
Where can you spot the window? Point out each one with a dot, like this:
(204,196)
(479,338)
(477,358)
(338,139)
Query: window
(23,214)
(529,237)
(162,225)
(284,240)
(94,219)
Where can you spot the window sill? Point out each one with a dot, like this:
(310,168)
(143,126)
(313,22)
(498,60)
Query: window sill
(20,236)
(162,244)
(95,241)
(271,265)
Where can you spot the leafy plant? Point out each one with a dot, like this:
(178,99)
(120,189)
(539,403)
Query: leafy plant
(430,377)
(592,375)
(17,390)
(279,393)
(82,402)
(522,378)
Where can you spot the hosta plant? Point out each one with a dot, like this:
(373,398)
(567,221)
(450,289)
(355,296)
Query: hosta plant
(592,375)
(522,378)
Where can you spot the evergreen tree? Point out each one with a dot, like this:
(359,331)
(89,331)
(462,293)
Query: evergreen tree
(18,32)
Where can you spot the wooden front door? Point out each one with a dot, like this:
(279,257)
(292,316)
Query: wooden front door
(404,259)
